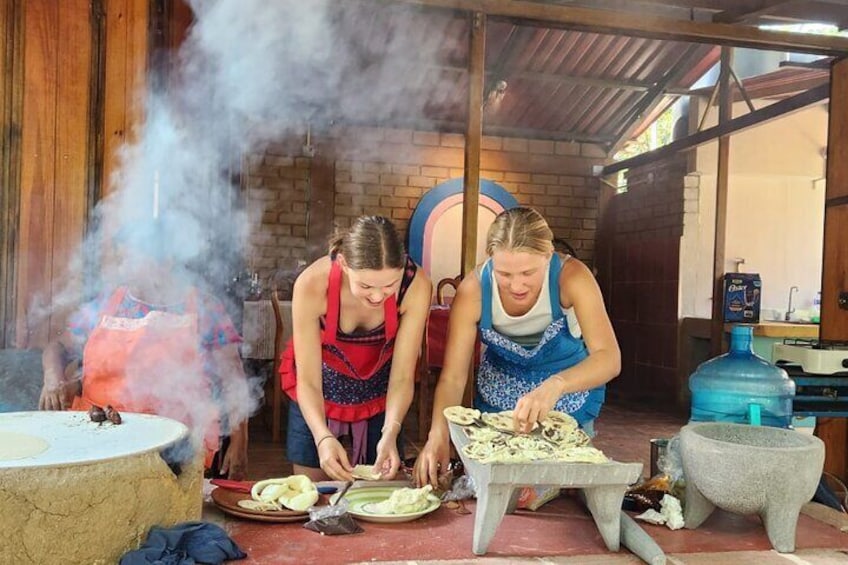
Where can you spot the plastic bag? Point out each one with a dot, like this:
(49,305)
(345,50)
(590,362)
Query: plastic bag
(332,520)
(671,462)
(462,488)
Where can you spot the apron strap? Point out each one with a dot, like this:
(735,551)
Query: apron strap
(331,320)
(554,269)
(390,313)
(486,288)
(115,301)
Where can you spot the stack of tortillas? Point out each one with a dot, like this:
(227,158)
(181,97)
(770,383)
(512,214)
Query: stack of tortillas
(493,439)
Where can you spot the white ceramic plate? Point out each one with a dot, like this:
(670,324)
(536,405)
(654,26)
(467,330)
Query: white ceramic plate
(360,500)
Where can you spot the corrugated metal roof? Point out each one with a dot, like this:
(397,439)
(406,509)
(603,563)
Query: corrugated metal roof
(406,66)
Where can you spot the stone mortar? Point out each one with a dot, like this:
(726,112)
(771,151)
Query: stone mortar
(743,469)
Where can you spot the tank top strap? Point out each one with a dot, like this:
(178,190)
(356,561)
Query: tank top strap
(331,320)
(486,296)
(553,286)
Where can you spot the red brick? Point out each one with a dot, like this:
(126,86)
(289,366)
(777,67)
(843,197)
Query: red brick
(438,172)
(515,145)
(542,147)
(426,182)
(425,138)
(452,140)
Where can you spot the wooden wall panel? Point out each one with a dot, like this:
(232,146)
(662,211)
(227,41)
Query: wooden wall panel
(126,67)
(38,171)
(73,120)
(837,135)
(11,112)
(834,320)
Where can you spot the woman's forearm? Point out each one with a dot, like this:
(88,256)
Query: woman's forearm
(310,400)
(398,399)
(449,392)
(53,361)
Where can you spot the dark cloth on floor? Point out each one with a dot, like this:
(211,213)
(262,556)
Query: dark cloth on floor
(187,543)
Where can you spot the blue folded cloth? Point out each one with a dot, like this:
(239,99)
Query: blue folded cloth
(187,543)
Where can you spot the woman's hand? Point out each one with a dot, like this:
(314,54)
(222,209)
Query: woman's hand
(234,464)
(333,459)
(56,396)
(433,458)
(534,406)
(388,459)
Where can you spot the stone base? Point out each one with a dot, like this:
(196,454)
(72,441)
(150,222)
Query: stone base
(93,512)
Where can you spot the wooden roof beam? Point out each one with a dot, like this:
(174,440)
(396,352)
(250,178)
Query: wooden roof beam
(792,104)
(743,12)
(506,74)
(605,21)
(628,124)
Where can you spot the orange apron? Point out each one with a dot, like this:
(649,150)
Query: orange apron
(150,365)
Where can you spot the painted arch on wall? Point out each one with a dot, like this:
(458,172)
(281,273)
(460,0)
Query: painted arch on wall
(435,229)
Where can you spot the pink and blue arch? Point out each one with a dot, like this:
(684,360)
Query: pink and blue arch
(440,199)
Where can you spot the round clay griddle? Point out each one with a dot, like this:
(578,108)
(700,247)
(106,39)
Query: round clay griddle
(73,438)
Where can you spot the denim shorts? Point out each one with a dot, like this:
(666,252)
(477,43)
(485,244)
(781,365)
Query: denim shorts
(300,445)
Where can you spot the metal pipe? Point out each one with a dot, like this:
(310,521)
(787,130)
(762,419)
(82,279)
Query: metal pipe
(790,309)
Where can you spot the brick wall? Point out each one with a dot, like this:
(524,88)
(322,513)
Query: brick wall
(387,171)
(644,280)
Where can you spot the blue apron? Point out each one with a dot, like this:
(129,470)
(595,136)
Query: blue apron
(509,370)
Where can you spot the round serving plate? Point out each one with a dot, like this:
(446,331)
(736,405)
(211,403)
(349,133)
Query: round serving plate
(227,501)
(360,501)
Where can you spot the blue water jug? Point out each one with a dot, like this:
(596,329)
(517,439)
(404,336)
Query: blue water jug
(741,387)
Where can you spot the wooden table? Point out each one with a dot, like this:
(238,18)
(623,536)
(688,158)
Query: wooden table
(498,484)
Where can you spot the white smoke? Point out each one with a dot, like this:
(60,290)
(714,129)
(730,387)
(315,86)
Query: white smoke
(249,72)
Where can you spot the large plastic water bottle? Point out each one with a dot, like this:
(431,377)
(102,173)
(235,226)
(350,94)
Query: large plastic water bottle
(741,387)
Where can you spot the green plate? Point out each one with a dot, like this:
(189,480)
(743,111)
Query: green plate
(360,499)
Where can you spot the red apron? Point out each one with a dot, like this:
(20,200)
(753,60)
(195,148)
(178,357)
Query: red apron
(150,365)
(355,369)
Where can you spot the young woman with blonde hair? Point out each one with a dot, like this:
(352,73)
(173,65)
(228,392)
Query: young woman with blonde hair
(549,341)
(358,318)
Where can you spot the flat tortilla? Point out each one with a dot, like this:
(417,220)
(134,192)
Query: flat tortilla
(365,472)
(14,446)
(461,415)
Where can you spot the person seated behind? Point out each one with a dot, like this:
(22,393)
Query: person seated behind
(549,341)
(358,318)
(156,344)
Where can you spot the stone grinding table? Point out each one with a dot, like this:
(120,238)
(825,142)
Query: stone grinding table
(603,485)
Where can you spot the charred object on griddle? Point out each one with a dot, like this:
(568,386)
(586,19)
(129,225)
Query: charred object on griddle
(96,414)
(112,415)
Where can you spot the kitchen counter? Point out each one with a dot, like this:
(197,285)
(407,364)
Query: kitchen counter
(700,328)
(770,328)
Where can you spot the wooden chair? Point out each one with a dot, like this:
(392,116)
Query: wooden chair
(422,379)
(443,284)
(277,396)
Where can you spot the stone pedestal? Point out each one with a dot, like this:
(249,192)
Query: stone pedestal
(96,490)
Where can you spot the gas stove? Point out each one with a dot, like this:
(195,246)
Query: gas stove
(820,371)
(816,356)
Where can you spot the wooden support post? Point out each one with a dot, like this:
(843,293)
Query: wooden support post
(473,143)
(834,320)
(725,114)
